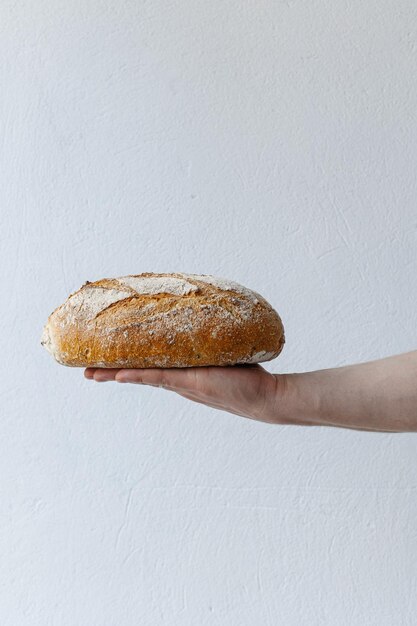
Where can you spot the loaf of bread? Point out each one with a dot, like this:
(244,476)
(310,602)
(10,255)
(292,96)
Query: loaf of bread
(163,320)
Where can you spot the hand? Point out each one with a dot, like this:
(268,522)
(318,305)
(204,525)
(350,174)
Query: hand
(246,390)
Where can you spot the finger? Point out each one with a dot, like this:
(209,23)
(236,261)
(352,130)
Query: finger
(170,378)
(103,375)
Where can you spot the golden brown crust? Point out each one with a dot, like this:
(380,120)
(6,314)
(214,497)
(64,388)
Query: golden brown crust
(109,323)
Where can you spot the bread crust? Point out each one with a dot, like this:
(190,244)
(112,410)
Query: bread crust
(203,321)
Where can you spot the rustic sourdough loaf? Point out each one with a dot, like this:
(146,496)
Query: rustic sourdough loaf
(163,320)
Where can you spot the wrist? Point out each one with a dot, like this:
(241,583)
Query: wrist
(296,400)
(322,398)
(327,397)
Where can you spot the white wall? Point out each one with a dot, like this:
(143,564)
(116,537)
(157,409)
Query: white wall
(273,143)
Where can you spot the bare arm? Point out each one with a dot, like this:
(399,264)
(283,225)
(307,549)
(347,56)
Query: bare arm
(378,395)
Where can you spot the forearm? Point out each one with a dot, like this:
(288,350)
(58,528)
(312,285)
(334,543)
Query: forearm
(378,395)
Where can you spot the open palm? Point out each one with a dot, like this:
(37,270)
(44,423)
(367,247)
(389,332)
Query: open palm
(246,390)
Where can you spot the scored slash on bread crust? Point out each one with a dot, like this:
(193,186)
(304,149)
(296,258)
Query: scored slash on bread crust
(163,320)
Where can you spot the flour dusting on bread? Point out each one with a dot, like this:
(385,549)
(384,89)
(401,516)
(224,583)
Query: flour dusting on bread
(224,283)
(89,301)
(259,357)
(157,284)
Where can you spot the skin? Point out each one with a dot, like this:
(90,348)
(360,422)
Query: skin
(378,395)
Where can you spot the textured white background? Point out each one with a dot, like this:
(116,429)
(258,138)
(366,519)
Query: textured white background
(273,143)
